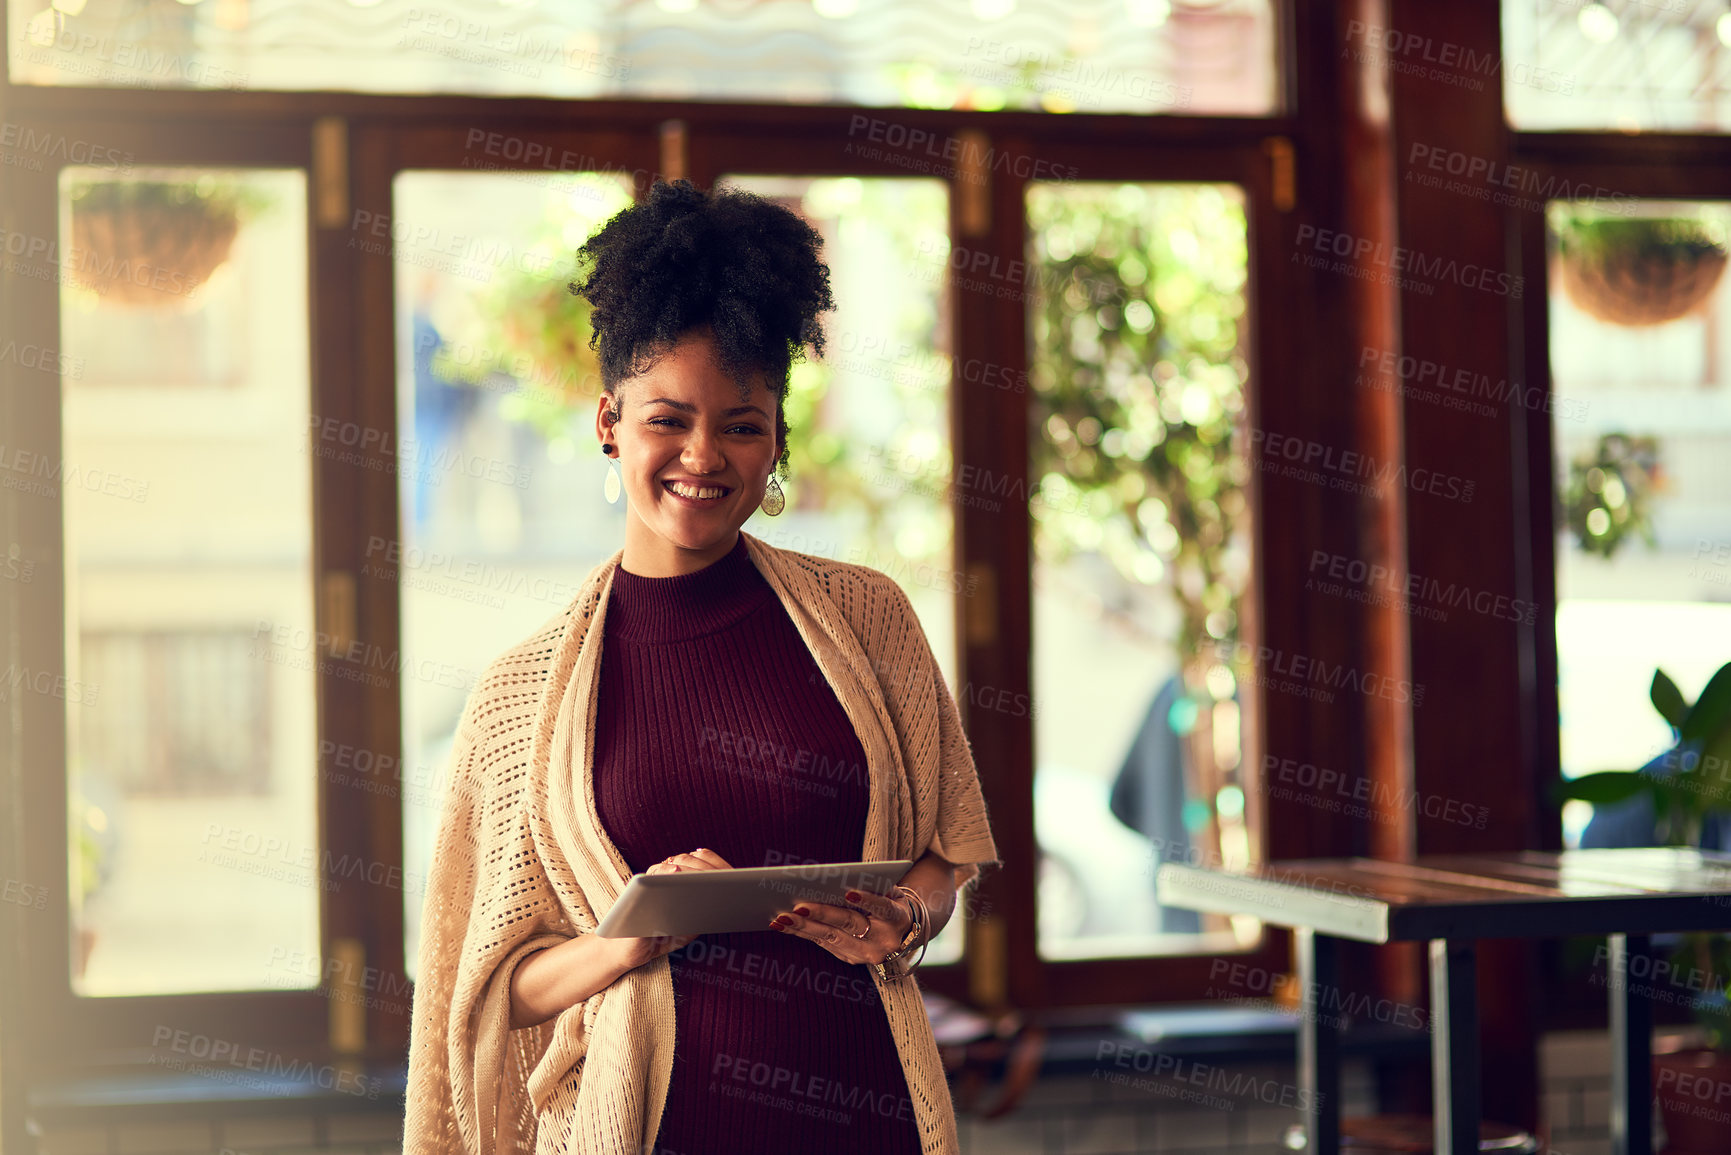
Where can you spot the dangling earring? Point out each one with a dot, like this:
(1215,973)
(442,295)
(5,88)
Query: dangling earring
(610,486)
(774,501)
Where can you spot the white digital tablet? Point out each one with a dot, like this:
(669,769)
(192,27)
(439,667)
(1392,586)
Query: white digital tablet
(719,901)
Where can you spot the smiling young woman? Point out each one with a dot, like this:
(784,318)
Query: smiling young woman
(697,455)
(670,719)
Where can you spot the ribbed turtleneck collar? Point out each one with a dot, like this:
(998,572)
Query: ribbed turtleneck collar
(670,609)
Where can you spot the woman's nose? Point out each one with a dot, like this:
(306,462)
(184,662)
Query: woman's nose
(702,453)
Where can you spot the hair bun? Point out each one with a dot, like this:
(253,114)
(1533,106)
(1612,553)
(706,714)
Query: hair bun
(677,195)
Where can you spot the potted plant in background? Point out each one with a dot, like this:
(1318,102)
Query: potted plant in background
(154,242)
(1606,498)
(1638,271)
(1688,789)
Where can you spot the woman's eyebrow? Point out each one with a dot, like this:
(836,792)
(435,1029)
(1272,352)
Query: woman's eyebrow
(687,407)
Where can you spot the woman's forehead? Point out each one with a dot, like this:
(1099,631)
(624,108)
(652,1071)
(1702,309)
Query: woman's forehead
(708,391)
(692,371)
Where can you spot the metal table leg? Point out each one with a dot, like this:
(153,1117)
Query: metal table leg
(1455,1045)
(1318,1041)
(1631,1051)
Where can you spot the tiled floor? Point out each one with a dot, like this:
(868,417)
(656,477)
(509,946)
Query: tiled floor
(1069,1116)
(1235,1111)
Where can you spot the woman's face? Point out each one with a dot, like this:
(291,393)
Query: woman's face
(694,453)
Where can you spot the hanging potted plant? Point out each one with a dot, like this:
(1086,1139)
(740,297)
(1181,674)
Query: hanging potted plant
(1637,271)
(152,243)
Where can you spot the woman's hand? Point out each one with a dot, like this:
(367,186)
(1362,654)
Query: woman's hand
(870,927)
(628,953)
(550,980)
(884,920)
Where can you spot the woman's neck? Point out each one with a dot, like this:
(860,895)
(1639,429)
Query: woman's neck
(648,554)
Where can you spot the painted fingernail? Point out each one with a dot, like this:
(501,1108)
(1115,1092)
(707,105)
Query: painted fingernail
(852,896)
(802,911)
(782,922)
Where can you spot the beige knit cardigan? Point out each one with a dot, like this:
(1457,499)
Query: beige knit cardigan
(521,862)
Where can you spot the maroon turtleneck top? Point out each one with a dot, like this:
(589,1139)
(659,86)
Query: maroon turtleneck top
(715,728)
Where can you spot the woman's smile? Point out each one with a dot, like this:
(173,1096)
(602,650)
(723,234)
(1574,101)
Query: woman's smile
(696,493)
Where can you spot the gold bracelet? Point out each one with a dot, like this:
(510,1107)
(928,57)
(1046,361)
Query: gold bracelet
(917,935)
(923,921)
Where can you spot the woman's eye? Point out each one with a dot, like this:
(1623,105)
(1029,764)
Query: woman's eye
(663,422)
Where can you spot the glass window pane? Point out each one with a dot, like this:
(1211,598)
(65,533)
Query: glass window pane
(1641,425)
(1655,65)
(1135,56)
(500,476)
(1137,325)
(187,490)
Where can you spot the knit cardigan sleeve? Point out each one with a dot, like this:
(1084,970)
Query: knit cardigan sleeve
(939,762)
(488,905)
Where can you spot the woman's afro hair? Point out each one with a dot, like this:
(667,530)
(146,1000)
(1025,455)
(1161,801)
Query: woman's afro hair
(726,260)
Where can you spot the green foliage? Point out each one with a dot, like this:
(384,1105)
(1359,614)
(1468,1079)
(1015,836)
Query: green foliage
(1596,237)
(216,197)
(1607,497)
(1668,699)
(1138,385)
(1698,788)
(1706,721)
(532,326)
(87,844)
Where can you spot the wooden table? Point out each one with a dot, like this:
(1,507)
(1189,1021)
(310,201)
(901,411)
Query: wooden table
(1452,901)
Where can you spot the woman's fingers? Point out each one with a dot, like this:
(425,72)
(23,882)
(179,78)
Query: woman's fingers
(833,939)
(700,859)
(850,922)
(847,934)
(688,862)
(882,908)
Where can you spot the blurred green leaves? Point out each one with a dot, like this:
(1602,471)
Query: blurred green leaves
(1138,376)
(1606,498)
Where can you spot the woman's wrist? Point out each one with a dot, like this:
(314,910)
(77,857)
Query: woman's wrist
(902,960)
(548,982)
(933,880)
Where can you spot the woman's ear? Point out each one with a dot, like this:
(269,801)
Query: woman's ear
(605,418)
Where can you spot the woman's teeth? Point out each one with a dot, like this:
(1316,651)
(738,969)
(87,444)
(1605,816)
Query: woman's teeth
(694,491)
